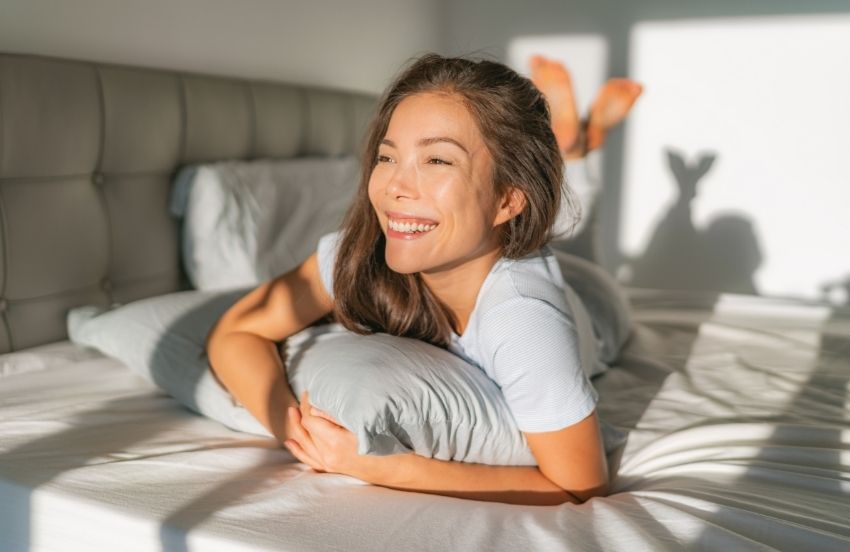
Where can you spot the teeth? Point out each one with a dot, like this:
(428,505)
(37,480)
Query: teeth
(410,228)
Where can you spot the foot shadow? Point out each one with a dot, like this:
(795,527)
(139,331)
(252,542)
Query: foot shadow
(724,257)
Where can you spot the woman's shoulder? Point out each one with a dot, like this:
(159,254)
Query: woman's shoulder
(326,252)
(532,279)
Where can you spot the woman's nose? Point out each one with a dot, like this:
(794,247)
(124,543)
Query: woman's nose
(403,182)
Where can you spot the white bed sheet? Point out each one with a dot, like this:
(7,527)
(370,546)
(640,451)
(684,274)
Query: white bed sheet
(740,439)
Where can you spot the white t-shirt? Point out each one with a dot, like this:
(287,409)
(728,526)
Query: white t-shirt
(524,334)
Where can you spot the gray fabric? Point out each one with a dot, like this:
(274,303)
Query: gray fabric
(324,112)
(55,227)
(42,318)
(605,301)
(418,397)
(247,222)
(142,116)
(281,117)
(50,117)
(218,113)
(87,153)
(143,243)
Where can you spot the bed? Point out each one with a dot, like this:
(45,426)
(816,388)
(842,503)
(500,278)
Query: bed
(736,406)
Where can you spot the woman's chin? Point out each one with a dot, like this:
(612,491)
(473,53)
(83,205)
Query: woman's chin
(404,268)
(403,264)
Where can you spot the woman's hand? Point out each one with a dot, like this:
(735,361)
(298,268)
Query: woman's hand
(319,441)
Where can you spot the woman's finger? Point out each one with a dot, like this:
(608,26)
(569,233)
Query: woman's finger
(319,414)
(336,444)
(305,405)
(320,429)
(299,431)
(301,434)
(293,447)
(307,409)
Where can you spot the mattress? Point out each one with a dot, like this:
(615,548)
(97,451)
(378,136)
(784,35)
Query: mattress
(736,409)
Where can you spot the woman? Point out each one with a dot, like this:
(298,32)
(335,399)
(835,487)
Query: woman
(444,242)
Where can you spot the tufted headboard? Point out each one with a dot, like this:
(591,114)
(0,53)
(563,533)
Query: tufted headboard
(87,154)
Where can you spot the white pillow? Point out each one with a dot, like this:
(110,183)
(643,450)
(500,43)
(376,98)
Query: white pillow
(245,222)
(397,394)
(43,357)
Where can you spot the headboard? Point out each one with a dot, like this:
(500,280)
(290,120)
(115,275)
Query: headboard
(87,154)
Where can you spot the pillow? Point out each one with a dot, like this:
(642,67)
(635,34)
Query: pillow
(396,394)
(247,222)
(43,357)
(605,302)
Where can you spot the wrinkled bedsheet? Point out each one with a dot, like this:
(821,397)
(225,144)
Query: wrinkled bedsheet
(737,407)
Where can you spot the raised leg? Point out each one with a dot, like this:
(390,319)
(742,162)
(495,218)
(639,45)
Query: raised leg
(555,82)
(612,104)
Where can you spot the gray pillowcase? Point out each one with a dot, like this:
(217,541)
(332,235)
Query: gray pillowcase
(396,394)
(245,222)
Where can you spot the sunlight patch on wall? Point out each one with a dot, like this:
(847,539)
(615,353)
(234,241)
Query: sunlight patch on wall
(752,114)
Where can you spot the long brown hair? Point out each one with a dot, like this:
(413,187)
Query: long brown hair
(514,121)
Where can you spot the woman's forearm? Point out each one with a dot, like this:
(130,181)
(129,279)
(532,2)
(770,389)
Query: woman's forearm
(252,370)
(509,484)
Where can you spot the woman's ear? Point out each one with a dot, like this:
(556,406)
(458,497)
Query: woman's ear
(511,204)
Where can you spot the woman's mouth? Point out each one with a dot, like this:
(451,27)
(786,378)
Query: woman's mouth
(408,228)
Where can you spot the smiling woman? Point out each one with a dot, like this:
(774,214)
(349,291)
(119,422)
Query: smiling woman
(446,243)
(439,182)
(469,146)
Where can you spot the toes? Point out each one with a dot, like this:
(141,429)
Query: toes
(536,62)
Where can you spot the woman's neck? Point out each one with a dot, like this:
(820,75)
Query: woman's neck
(458,287)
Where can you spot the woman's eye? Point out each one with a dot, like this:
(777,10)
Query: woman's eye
(438,161)
(382,159)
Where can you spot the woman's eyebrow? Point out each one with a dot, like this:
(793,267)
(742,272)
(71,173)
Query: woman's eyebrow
(436,139)
(429,141)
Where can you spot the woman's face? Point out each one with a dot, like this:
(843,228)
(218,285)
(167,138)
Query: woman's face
(432,187)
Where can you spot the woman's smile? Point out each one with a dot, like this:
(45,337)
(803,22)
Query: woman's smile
(407,227)
(432,187)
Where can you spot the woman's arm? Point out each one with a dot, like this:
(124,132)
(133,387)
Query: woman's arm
(571,464)
(571,468)
(242,345)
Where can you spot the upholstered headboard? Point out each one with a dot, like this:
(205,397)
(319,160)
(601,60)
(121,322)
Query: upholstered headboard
(87,154)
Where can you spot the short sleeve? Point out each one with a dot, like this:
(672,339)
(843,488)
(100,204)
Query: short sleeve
(326,257)
(534,351)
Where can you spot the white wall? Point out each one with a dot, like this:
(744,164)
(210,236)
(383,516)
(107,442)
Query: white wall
(759,85)
(358,45)
(763,96)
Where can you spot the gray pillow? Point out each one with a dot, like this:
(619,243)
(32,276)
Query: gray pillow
(395,394)
(245,222)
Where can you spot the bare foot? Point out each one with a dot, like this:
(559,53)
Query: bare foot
(554,81)
(612,104)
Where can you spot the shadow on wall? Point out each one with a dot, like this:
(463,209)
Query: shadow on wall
(723,257)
